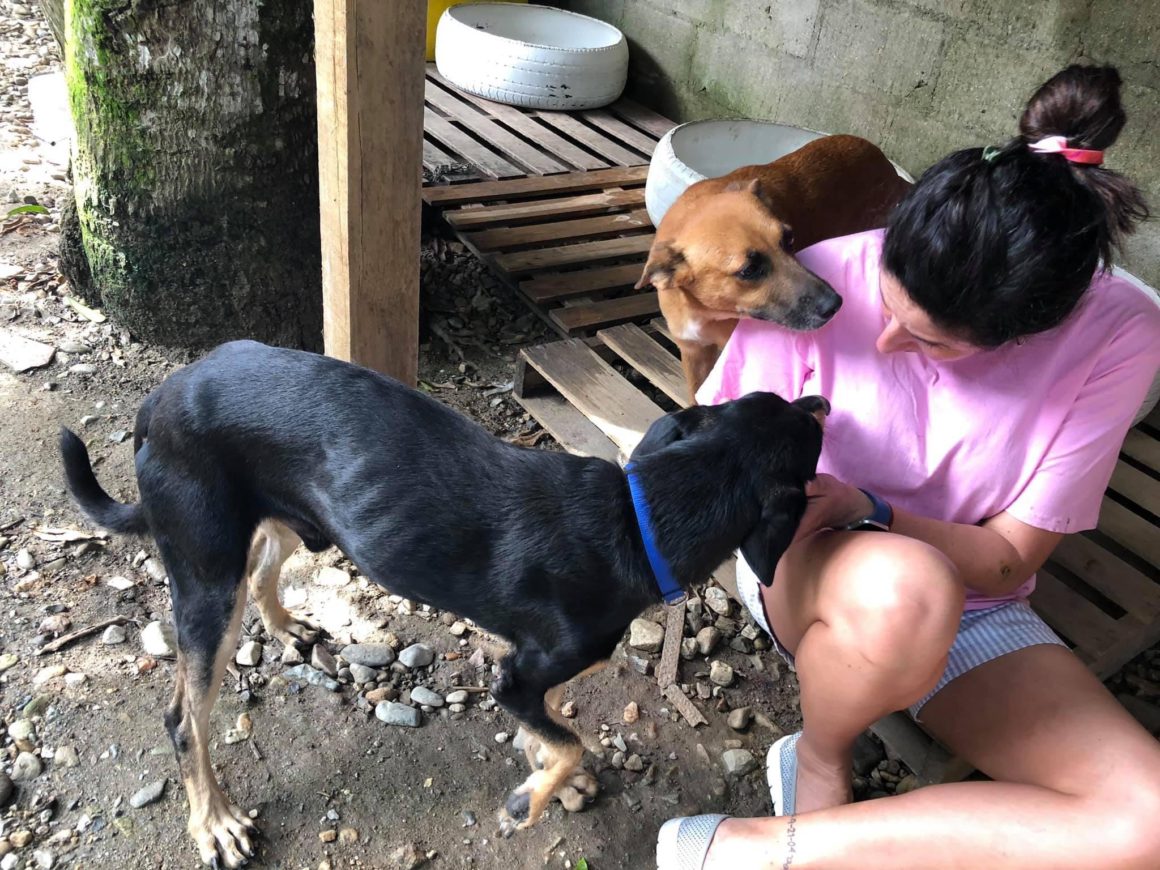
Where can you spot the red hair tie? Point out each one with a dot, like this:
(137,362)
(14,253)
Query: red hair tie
(1058,145)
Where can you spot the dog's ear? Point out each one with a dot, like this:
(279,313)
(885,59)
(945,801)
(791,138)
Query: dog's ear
(766,544)
(663,264)
(752,186)
(670,429)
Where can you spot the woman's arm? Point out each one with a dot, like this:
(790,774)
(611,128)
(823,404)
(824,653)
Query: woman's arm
(995,557)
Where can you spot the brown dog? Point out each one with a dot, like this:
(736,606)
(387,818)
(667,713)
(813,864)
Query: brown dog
(724,250)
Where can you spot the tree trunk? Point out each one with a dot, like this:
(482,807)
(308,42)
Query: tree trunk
(196,167)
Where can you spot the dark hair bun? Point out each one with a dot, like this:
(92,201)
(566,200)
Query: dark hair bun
(1081,103)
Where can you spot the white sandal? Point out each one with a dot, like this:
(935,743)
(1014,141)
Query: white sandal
(781,774)
(683,843)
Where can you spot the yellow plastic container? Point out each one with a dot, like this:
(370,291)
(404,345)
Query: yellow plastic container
(435,10)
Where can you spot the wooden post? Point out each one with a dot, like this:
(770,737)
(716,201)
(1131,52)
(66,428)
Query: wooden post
(370,61)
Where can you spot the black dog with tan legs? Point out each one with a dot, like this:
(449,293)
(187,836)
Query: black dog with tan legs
(247,452)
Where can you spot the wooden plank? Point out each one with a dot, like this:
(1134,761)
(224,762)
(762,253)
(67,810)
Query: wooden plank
(1109,575)
(1130,530)
(560,231)
(369,70)
(564,285)
(662,369)
(496,136)
(569,427)
(435,158)
(471,150)
(671,651)
(522,262)
(1133,636)
(606,312)
(617,408)
(1143,448)
(1137,487)
(662,326)
(925,757)
(526,124)
(510,214)
(593,139)
(639,116)
(684,706)
(575,182)
(1065,610)
(630,136)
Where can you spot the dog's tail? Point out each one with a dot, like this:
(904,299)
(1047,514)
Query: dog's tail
(98,505)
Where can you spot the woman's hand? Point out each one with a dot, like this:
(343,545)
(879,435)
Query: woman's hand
(832,505)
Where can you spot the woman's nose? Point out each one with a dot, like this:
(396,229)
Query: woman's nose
(893,338)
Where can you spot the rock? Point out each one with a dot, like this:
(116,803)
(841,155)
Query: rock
(458,628)
(310,675)
(707,640)
(739,719)
(717,600)
(408,857)
(618,742)
(568,709)
(25,560)
(634,763)
(741,645)
(9,861)
(618,759)
(867,754)
(727,626)
(394,713)
(113,635)
(66,756)
(688,648)
(291,656)
(155,570)
(328,836)
(371,655)
(157,640)
(456,708)
(502,737)
(645,635)
(26,766)
(149,794)
(20,839)
(8,660)
(639,664)
(44,675)
(7,789)
(321,659)
(738,762)
(631,712)
(44,859)
(57,623)
(386,693)
(424,696)
(333,577)
(22,729)
(250,655)
(363,674)
(720,673)
(417,655)
(906,784)
(347,836)
(459,696)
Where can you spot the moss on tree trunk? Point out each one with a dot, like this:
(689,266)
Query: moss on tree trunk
(195,166)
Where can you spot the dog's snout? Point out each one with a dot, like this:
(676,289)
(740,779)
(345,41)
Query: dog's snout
(829,305)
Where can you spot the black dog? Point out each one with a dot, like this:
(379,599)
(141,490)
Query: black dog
(244,452)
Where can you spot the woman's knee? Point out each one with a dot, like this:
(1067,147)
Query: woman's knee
(899,597)
(1126,811)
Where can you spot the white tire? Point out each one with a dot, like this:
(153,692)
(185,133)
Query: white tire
(707,149)
(531,56)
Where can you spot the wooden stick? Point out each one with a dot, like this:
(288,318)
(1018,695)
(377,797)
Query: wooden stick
(671,652)
(65,639)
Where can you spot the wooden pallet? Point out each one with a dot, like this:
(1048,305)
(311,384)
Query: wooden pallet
(1100,591)
(470,139)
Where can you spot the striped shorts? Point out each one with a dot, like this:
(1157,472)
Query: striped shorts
(983,635)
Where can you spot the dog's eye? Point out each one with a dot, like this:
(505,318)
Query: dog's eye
(787,240)
(756,267)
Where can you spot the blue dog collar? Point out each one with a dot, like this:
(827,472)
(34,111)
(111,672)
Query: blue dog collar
(671,591)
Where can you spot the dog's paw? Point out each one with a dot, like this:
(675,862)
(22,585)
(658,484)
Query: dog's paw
(579,792)
(296,629)
(224,835)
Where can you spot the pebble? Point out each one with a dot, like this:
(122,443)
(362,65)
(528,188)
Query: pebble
(58,623)
(456,708)
(155,570)
(22,729)
(386,693)
(459,696)
(371,655)
(9,861)
(150,794)
(738,762)
(328,836)
(618,759)
(688,648)
(8,660)
(309,675)
(631,712)
(26,766)
(393,713)
(65,756)
(717,600)
(640,664)
(330,576)
(906,784)
(568,709)
(44,859)
(250,655)
(321,658)
(20,839)
(634,763)
(502,737)
(157,639)
(120,583)
(291,656)
(423,695)
(408,857)
(70,346)
(727,626)
(363,674)
(49,673)
(458,628)
(740,718)
(645,635)
(417,655)
(113,635)
(25,560)
(721,673)
(6,788)
(83,369)
(707,640)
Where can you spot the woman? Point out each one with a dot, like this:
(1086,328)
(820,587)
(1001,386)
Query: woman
(983,372)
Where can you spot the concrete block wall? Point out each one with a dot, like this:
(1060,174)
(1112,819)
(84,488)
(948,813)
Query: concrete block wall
(921,78)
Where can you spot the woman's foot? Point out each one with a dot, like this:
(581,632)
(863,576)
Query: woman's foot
(800,782)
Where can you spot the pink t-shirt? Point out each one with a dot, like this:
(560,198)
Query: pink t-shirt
(1033,428)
